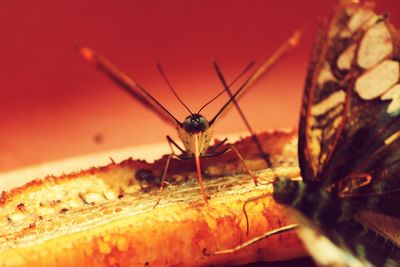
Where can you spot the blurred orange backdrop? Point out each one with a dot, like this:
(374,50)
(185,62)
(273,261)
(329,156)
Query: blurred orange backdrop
(53,105)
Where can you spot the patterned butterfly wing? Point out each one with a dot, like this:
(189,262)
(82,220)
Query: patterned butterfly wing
(349,139)
(350,124)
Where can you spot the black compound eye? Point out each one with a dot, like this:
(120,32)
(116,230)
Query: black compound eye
(195,123)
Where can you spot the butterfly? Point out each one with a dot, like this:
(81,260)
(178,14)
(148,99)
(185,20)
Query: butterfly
(347,204)
(349,143)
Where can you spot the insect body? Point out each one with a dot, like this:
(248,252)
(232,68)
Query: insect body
(195,131)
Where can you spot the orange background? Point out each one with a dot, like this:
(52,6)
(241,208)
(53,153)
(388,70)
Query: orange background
(53,105)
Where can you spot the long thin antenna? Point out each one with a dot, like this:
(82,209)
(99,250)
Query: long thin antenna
(243,86)
(160,69)
(282,50)
(125,82)
(264,155)
(248,67)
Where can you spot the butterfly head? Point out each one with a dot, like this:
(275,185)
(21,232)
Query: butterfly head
(195,123)
(285,190)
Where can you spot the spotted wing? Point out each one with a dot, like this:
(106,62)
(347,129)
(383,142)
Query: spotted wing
(349,122)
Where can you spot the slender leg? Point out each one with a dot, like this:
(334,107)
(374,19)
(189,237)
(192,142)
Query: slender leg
(216,154)
(255,178)
(197,157)
(281,230)
(170,141)
(231,147)
(214,148)
(164,175)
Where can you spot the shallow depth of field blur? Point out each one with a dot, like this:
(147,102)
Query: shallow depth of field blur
(53,105)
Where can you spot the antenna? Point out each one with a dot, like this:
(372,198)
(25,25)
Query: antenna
(255,76)
(264,155)
(248,67)
(243,86)
(160,69)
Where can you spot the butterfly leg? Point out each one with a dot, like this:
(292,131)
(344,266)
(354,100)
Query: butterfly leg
(354,181)
(244,208)
(281,230)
